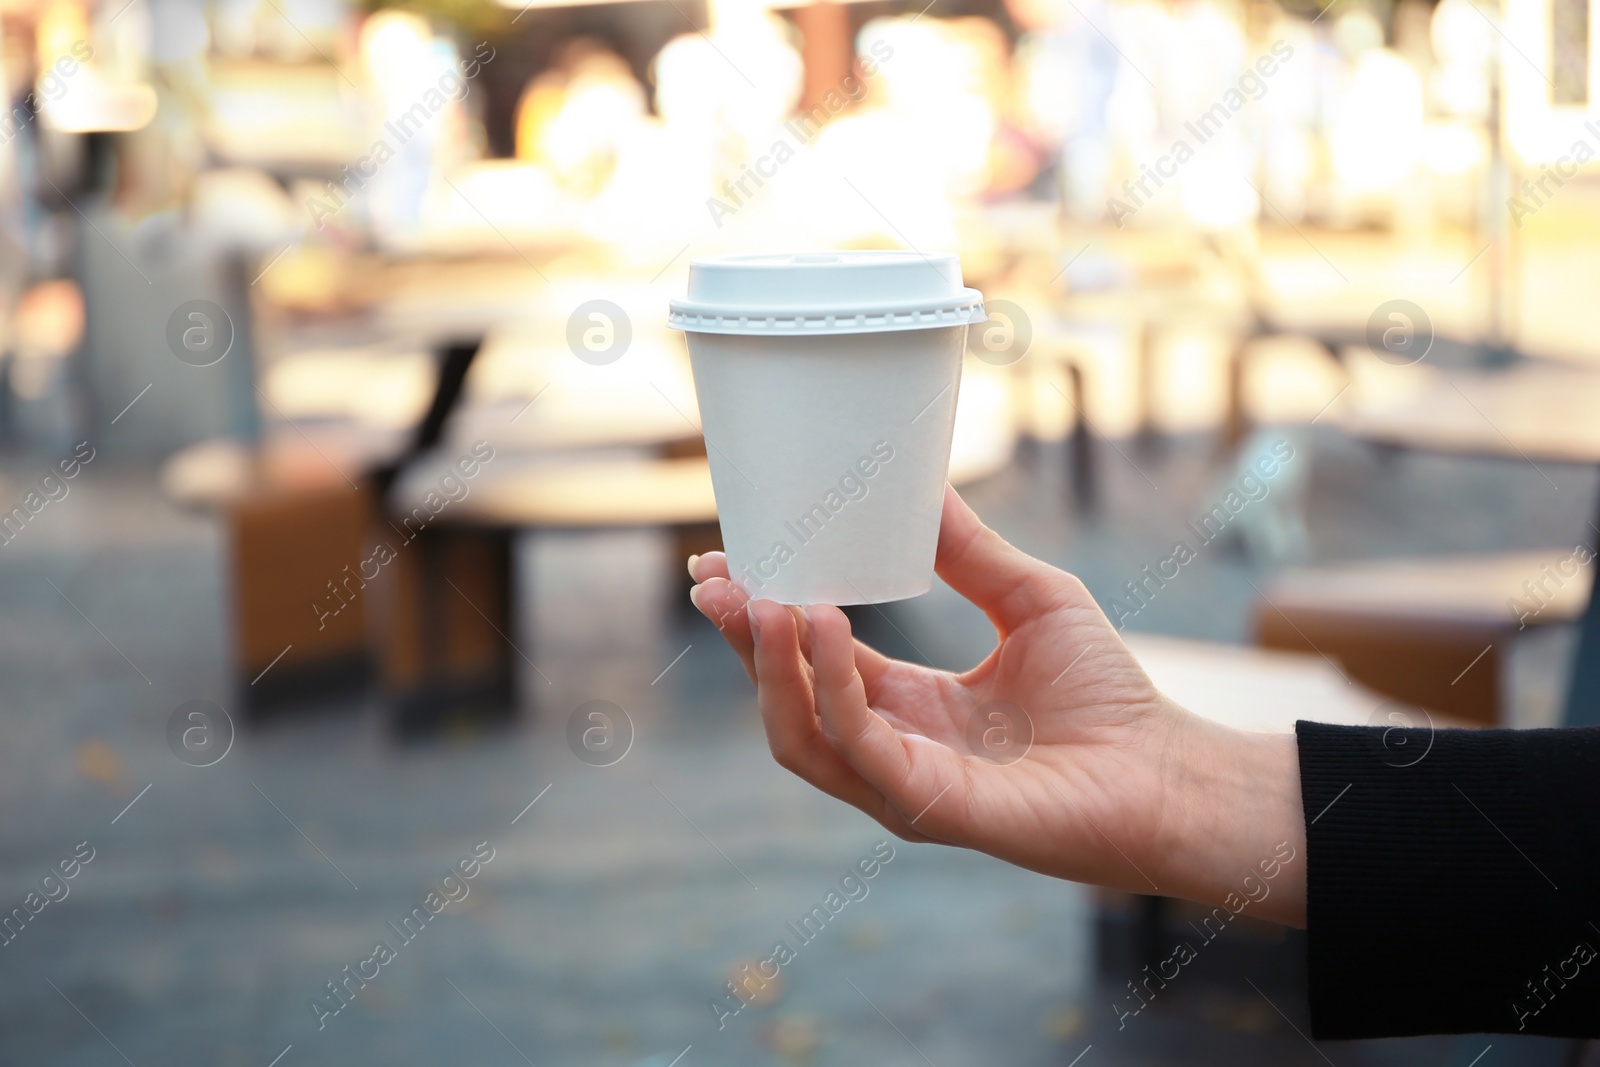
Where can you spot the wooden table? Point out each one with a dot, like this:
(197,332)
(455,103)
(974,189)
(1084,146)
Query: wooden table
(1259,690)
(453,639)
(1532,411)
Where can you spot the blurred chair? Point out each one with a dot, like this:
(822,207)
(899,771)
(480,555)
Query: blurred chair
(297,523)
(299,631)
(1060,355)
(1152,292)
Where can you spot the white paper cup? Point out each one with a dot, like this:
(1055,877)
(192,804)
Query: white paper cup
(827,386)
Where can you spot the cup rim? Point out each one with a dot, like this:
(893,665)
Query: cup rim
(958,309)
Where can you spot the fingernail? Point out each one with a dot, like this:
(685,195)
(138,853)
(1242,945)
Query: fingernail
(694,598)
(755,626)
(692,561)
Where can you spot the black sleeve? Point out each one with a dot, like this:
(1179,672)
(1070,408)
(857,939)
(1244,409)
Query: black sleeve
(1452,880)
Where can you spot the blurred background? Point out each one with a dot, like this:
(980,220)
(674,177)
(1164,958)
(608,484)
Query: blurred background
(347,475)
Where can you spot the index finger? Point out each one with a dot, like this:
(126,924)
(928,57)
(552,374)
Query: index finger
(726,607)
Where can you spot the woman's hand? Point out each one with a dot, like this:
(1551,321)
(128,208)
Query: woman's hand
(1055,753)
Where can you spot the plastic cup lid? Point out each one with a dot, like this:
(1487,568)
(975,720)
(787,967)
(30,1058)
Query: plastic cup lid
(825,293)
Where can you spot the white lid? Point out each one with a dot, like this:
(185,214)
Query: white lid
(825,293)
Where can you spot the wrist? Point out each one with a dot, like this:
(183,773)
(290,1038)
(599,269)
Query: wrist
(1233,826)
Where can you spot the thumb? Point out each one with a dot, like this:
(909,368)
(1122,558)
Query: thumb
(1007,583)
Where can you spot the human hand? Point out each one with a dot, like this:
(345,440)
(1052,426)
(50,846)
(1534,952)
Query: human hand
(1118,787)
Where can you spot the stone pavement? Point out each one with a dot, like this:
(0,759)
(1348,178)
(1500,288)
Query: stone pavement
(219,905)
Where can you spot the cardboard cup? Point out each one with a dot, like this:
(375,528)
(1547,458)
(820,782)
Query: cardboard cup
(829,443)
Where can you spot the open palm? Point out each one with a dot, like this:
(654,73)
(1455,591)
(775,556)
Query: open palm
(1051,754)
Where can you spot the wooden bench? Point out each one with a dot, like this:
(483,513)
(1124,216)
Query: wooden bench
(1434,631)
